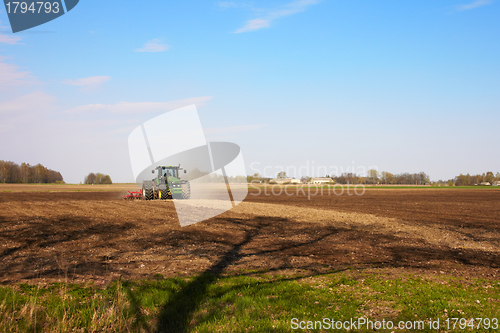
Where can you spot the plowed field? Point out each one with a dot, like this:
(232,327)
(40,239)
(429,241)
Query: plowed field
(85,236)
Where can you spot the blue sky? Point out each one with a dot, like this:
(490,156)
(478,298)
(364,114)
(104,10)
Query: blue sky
(397,85)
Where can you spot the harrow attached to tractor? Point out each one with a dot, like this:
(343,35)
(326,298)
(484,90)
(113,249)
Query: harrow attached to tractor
(133,195)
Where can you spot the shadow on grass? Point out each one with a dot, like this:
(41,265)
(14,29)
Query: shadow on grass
(140,320)
(177,312)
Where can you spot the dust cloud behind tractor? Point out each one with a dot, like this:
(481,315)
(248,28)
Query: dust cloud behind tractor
(26,14)
(215,170)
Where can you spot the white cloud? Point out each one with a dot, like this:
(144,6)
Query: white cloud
(232,129)
(9,39)
(154,45)
(473,5)
(17,105)
(139,107)
(227,4)
(34,102)
(88,82)
(11,76)
(269,16)
(292,8)
(254,24)
(26,109)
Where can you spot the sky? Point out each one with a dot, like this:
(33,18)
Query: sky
(310,87)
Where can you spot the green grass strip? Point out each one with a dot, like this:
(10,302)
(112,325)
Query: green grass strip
(255,303)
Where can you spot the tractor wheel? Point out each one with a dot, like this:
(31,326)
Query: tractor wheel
(186,190)
(162,193)
(147,191)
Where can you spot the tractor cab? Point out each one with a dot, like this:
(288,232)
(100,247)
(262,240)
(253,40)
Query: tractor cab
(167,172)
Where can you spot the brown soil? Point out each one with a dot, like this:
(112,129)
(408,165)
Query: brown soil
(96,236)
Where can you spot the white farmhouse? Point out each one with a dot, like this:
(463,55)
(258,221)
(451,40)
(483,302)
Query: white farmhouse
(281,181)
(278,181)
(321,180)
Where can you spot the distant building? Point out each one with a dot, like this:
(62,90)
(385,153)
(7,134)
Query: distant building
(485,183)
(285,181)
(496,183)
(321,180)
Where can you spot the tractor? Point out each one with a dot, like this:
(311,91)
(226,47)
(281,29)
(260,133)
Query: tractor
(166,184)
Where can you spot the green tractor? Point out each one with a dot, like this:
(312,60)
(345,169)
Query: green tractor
(166,185)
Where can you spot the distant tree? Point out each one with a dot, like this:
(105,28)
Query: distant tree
(424,179)
(25,173)
(90,178)
(475,179)
(11,172)
(282,175)
(5,172)
(40,174)
(15,173)
(305,179)
(98,178)
(462,180)
(373,176)
(238,179)
(215,178)
(54,177)
(107,180)
(489,177)
(388,178)
(256,177)
(340,179)
(348,178)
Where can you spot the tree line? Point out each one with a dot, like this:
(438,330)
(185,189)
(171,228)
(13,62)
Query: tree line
(97,178)
(386,178)
(465,180)
(372,177)
(11,172)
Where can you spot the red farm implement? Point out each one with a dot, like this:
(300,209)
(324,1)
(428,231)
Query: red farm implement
(133,195)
